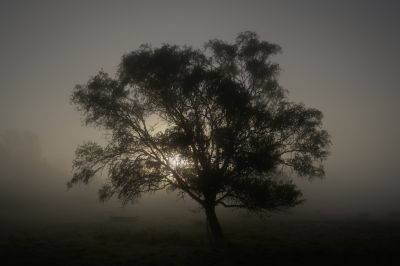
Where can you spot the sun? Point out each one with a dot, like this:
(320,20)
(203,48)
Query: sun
(175,161)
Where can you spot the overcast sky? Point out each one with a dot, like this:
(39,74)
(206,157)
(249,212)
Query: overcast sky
(338,56)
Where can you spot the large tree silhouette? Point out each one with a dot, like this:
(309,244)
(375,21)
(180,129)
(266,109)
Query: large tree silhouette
(213,124)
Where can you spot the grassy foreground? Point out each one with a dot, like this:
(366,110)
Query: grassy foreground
(271,242)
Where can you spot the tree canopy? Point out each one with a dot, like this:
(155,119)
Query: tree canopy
(213,124)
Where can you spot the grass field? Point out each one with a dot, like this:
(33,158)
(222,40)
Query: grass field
(269,242)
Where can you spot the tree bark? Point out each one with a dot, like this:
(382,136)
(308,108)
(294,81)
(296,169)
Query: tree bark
(213,223)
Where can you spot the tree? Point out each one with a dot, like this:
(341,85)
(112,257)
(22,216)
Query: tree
(213,124)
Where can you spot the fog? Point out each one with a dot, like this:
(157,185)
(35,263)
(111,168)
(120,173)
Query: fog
(33,189)
(339,57)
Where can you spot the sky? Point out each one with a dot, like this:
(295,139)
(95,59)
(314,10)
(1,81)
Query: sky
(340,57)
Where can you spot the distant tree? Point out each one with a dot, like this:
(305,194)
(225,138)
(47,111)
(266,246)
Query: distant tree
(213,124)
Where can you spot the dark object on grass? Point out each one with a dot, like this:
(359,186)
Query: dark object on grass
(123,219)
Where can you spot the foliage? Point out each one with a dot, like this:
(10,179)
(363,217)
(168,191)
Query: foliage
(219,112)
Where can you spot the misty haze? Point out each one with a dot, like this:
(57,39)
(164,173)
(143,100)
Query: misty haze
(335,62)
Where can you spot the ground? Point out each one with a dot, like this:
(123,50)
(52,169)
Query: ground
(259,242)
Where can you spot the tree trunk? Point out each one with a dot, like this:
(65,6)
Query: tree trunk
(213,224)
